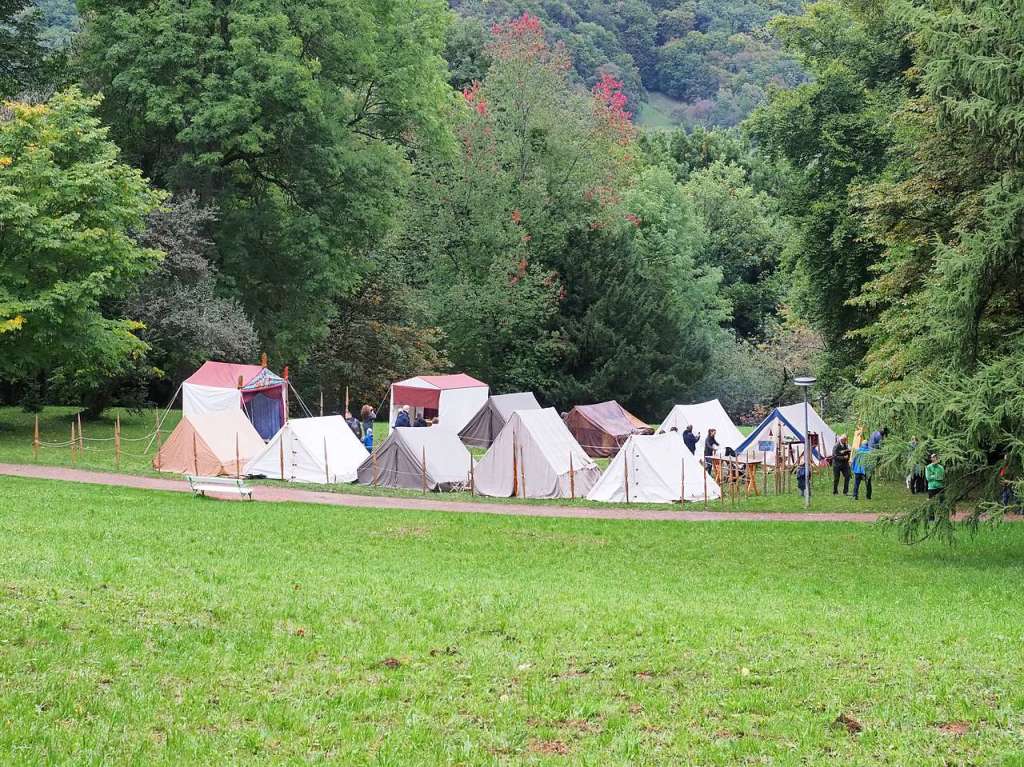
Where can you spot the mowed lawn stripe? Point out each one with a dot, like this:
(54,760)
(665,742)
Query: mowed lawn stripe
(148,627)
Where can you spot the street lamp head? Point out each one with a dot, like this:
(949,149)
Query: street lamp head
(805,381)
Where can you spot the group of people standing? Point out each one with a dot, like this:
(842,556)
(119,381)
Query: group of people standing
(930,478)
(362,427)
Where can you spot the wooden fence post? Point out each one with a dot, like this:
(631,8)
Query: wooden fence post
(81,436)
(572,479)
(764,469)
(705,473)
(74,442)
(35,441)
(117,442)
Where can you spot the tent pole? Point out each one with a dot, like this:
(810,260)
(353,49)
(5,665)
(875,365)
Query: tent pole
(423,469)
(625,470)
(81,435)
(346,401)
(373,462)
(195,454)
(522,469)
(327,468)
(280,451)
(321,403)
(515,468)
(572,479)
(682,481)
(705,473)
(472,479)
(238,460)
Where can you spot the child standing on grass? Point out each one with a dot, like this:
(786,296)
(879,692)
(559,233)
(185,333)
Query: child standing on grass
(935,476)
(862,472)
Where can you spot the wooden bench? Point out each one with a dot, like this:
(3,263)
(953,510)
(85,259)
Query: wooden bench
(203,485)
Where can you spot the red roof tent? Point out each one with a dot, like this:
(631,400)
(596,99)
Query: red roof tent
(226,374)
(419,396)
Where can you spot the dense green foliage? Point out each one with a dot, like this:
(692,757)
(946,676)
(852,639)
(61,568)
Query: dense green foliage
(68,208)
(295,119)
(58,23)
(22,56)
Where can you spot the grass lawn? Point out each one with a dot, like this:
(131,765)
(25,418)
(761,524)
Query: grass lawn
(16,428)
(151,628)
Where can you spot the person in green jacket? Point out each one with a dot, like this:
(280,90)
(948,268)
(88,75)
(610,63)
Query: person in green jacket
(935,476)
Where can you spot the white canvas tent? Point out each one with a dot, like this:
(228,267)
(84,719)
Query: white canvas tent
(787,423)
(703,416)
(320,450)
(654,468)
(398,461)
(531,459)
(453,399)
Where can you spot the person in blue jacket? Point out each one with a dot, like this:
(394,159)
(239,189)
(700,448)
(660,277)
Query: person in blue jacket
(862,471)
(690,439)
(402,419)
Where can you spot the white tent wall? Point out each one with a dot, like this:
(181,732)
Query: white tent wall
(197,399)
(305,440)
(543,446)
(703,416)
(657,467)
(458,406)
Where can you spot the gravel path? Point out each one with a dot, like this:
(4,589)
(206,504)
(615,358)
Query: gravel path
(434,503)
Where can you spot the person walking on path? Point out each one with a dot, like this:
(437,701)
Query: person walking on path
(935,476)
(841,466)
(862,472)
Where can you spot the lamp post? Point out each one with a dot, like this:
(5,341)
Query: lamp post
(805,383)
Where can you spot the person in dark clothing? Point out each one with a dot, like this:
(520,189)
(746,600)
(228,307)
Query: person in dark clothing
(841,466)
(710,443)
(690,439)
(402,419)
(353,424)
(420,421)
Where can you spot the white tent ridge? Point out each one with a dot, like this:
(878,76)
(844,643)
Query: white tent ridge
(703,416)
(322,450)
(656,469)
(535,456)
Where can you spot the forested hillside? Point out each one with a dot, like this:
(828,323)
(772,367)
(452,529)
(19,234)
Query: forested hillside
(682,62)
(706,62)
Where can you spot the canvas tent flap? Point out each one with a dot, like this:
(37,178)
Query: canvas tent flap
(531,458)
(299,450)
(199,399)
(654,468)
(398,461)
(208,444)
(484,427)
(603,427)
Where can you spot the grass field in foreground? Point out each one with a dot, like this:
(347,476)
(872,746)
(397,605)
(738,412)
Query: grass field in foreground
(154,628)
(16,428)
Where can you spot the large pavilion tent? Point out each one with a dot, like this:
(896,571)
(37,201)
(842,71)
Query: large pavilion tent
(602,428)
(210,444)
(654,469)
(322,450)
(535,456)
(399,460)
(221,386)
(486,425)
(787,423)
(452,399)
(703,416)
